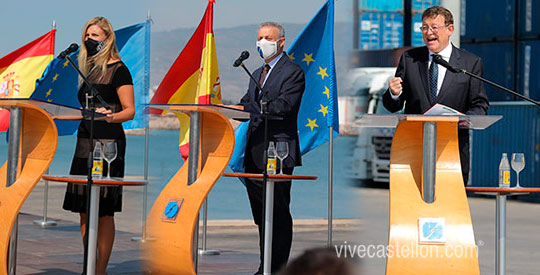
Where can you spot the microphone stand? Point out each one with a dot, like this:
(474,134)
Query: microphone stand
(463,71)
(439,60)
(264,112)
(89,105)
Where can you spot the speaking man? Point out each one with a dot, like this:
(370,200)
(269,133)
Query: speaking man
(419,83)
(283,84)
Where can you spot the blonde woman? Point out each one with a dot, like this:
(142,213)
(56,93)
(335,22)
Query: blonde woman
(100,62)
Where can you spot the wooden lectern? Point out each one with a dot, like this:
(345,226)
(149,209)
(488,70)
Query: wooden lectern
(430,223)
(171,223)
(33,139)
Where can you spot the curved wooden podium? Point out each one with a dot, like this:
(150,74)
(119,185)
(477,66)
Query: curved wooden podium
(408,252)
(172,219)
(38,142)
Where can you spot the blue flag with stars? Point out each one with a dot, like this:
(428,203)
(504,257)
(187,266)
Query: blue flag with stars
(59,81)
(313,50)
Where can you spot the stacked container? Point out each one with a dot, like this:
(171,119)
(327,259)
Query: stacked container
(529,48)
(418,7)
(488,31)
(506,35)
(381,23)
(499,66)
(517,132)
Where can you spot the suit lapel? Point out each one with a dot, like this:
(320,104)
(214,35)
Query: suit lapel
(423,70)
(274,73)
(450,77)
(253,90)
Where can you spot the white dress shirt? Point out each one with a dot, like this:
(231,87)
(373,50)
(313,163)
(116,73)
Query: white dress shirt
(272,64)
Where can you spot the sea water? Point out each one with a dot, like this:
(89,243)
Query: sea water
(228,198)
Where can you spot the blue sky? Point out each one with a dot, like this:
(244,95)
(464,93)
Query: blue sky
(25,20)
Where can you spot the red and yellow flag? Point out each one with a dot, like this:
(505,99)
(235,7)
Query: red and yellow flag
(20,69)
(194,77)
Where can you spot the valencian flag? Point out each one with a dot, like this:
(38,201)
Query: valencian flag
(20,69)
(313,50)
(193,77)
(59,83)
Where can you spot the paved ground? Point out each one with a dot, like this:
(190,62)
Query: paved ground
(59,250)
(523,224)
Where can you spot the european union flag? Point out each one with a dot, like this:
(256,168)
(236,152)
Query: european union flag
(134,45)
(59,81)
(59,85)
(313,50)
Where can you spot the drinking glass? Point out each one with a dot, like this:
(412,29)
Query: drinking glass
(282,150)
(109,154)
(518,163)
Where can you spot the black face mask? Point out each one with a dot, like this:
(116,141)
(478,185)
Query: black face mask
(93,46)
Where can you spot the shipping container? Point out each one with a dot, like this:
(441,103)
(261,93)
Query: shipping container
(378,5)
(529,69)
(396,5)
(529,19)
(381,23)
(381,30)
(488,21)
(421,5)
(517,132)
(376,58)
(498,59)
(417,39)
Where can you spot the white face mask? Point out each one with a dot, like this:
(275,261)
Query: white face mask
(267,48)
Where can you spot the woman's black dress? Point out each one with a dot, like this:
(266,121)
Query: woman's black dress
(110,197)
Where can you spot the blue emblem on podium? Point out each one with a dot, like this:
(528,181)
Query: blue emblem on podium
(171,210)
(431,230)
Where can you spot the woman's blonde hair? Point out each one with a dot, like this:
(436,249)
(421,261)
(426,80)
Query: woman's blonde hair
(94,67)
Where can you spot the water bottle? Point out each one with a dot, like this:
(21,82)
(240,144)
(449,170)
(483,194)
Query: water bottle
(97,167)
(504,172)
(272,159)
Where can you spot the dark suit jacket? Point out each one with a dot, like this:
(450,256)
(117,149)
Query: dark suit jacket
(458,91)
(285,86)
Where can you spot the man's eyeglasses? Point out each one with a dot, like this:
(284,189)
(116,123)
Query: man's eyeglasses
(434,29)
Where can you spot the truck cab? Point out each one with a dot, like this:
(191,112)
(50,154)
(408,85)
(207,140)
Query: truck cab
(371,155)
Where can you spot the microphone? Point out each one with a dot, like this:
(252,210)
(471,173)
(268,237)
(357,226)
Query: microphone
(73,47)
(439,60)
(243,56)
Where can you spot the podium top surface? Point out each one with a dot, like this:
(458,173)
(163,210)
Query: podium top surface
(227,111)
(54,109)
(391,121)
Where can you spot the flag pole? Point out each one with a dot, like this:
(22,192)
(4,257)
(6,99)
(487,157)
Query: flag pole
(44,222)
(331,145)
(142,238)
(330,182)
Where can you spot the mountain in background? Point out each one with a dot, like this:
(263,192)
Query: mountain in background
(230,42)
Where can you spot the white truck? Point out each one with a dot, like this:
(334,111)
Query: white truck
(371,156)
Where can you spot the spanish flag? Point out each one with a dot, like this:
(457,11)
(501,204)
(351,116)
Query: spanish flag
(194,77)
(20,69)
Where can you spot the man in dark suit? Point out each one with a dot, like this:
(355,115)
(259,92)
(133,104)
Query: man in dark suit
(283,83)
(419,83)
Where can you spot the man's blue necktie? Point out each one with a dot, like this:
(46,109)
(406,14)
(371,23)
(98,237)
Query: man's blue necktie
(433,75)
